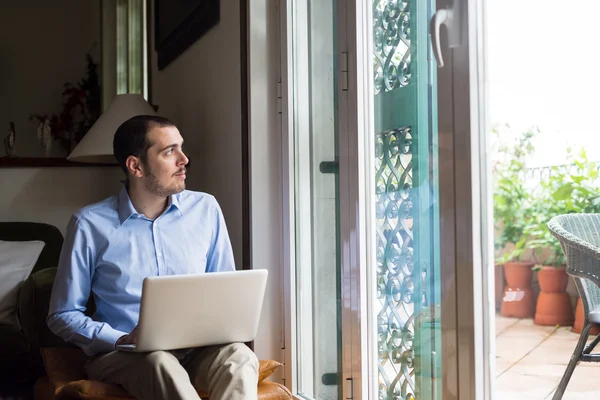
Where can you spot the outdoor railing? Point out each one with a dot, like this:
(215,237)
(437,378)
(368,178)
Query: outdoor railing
(535,176)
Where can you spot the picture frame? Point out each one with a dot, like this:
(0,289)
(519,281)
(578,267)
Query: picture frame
(178,24)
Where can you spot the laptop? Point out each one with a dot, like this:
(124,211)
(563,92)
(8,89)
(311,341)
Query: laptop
(181,311)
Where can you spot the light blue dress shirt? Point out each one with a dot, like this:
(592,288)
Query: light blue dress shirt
(109,249)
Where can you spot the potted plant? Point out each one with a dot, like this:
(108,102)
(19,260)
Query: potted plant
(567,189)
(553,306)
(512,202)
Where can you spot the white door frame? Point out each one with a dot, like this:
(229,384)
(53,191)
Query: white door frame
(465,203)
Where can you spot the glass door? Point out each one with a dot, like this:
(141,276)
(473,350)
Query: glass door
(316,336)
(421,97)
(403,217)
(386,188)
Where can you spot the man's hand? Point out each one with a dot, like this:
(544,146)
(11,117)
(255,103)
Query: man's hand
(128,339)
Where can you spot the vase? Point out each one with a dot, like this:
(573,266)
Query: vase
(518,300)
(554,303)
(578,324)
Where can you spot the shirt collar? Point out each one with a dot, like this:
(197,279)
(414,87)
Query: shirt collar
(174,202)
(126,208)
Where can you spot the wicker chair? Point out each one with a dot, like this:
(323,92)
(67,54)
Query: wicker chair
(579,236)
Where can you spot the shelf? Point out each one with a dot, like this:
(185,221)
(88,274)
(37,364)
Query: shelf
(38,162)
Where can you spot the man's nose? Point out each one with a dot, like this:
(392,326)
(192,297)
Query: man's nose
(183,159)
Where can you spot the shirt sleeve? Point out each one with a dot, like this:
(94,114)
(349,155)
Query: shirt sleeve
(220,255)
(71,291)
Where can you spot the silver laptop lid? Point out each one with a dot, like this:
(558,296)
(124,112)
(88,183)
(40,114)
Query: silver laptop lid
(181,311)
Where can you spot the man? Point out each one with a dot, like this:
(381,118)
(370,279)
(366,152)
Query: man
(153,227)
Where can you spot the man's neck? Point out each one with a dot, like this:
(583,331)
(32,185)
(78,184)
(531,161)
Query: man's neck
(146,203)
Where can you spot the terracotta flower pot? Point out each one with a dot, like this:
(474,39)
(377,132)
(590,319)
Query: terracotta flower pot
(498,285)
(553,303)
(578,324)
(518,300)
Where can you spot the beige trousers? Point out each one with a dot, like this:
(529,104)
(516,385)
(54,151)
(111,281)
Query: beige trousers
(226,372)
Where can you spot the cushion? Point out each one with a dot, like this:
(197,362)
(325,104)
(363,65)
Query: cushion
(266,369)
(16,262)
(65,370)
(102,391)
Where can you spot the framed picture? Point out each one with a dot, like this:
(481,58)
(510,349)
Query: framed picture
(178,24)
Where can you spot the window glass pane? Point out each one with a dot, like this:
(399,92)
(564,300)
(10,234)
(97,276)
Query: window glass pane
(316,180)
(405,289)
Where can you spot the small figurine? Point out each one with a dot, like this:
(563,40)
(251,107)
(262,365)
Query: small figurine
(44,134)
(40,131)
(9,141)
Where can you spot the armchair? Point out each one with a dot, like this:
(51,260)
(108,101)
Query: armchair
(63,363)
(21,363)
(579,236)
(66,380)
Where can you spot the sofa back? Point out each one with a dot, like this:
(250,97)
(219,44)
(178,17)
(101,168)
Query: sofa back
(26,231)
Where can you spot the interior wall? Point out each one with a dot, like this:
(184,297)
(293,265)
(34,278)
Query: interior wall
(43,46)
(200,92)
(266,200)
(52,195)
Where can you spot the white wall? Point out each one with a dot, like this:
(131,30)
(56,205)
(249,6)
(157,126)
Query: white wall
(43,46)
(201,92)
(51,195)
(265,171)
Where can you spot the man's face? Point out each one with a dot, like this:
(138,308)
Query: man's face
(164,172)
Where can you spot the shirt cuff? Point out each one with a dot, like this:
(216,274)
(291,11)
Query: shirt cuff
(106,339)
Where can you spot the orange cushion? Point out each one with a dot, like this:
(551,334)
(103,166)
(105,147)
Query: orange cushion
(266,391)
(266,369)
(85,389)
(65,370)
(63,365)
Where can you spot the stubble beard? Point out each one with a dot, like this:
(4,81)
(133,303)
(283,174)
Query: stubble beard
(153,186)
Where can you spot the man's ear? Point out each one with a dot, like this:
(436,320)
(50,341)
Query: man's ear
(134,166)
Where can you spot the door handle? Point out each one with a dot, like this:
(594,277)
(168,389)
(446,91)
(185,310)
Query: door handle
(329,379)
(450,17)
(329,167)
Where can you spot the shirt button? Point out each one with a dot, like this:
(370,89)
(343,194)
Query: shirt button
(159,254)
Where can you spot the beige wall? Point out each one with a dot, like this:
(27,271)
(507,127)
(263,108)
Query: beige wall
(43,46)
(201,92)
(266,199)
(51,195)
(42,49)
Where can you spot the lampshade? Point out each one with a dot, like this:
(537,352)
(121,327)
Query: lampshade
(97,144)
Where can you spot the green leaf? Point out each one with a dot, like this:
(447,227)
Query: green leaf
(563,192)
(578,179)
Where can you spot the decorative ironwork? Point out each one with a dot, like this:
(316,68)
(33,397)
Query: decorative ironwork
(391,40)
(395,273)
(535,176)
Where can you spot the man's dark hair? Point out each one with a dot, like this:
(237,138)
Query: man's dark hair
(131,138)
